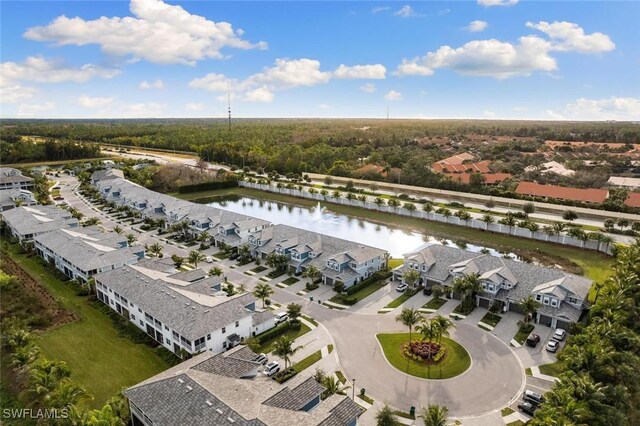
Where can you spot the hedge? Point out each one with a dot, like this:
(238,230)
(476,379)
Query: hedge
(277,331)
(377,276)
(206,186)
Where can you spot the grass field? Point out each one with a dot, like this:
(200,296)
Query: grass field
(308,361)
(590,263)
(268,346)
(455,362)
(362,293)
(394,263)
(434,303)
(99,360)
(400,300)
(553,369)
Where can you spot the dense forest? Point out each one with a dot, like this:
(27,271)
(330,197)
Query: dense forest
(14,149)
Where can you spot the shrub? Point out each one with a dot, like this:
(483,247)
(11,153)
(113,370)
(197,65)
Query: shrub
(311,286)
(205,186)
(274,332)
(377,276)
(167,356)
(284,375)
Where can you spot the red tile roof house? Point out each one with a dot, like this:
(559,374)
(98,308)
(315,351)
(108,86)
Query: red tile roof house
(633,200)
(455,164)
(489,178)
(596,196)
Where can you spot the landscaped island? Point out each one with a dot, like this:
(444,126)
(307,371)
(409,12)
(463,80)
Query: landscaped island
(445,358)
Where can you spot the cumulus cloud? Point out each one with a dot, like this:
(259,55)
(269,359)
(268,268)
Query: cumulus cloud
(157,32)
(380,9)
(613,108)
(489,3)
(42,70)
(194,106)
(571,37)
(285,74)
(12,94)
(498,59)
(368,87)
(95,102)
(158,84)
(405,11)
(32,110)
(324,106)
(392,95)
(477,26)
(374,72)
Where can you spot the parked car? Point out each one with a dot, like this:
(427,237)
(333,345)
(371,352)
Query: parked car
(527,408)
(533,340)
(271,369)
(234,256)
(401,287)
(281,317)
(262,359)
(552,346)
(534,398)
(559,334)
(427,290)
(209,259)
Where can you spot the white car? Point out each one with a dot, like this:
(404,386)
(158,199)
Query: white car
(209,259)
(262,359)
(552,346)
(281,317)
(559,335)
(402,287)
(271,369)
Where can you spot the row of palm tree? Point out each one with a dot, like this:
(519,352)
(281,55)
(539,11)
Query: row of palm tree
(431,329)
(431,415)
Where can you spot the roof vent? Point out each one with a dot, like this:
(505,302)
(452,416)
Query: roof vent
(189,388)
(219,411)
(230,420)
(180,381)
(209,403)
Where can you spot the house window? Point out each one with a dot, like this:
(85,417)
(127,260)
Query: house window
(490,287)
(141,323)
(546,300)
(166,328)
(554,302)
(224,330)
(208,337)
(176,336)
(573,300)
(538,297)
(237,324)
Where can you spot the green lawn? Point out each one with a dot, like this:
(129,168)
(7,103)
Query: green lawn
(341,377)
(434,303)
(400,300)
(308,361)
(455,362)
(290,280)
(99,360)
(553,369)
(528,371)
(506,411)
(394,263)
(592,264)
(521,335)
(491,319)
(362,293)
(366,398)
(258,269)
(267,346)
(516,423)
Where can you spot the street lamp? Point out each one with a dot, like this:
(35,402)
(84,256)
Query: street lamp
(353,390)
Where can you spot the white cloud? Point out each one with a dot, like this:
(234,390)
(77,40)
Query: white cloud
(96,102)
(158,84)
(613,108)
(157,32)
(488,114)
(285,74)
(194,106)
(140,110)
(368,87)
(324,106)
(375,72)
(42,70)
(568,36)
(477,26)
(32,110)
(405,11)
(380,9)
(392,95)
(15,93)
(498,59)
(489,3)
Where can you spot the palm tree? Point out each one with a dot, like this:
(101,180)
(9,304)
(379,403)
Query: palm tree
(533,228)
(332,387)
(529,306)
(25,356)
(324,193)
(244,251)
(409,317)
(311,272)
(379,202)
(67,395)
(487,219)
(204,237)
(155,249)
(195,257)
(393,203)
(444,324)
(118,230)
(473,286)
(104,417)
(437,291)
(92,221)
(410,207)
(262,292)
(434,415)
(131,239)
(362,198)
(427,207)
(350,196)
(283,347)
(385,417)
(336,194)
(509,220)
(411,277)
(607,240)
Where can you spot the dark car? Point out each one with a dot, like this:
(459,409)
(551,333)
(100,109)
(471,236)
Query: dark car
(427,290)
(527,408)
(234,256)
(533,340)
(532,397)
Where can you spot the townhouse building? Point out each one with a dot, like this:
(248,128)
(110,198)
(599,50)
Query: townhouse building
(27,222)
(10,198)
(81,253)
(563,297)
(11,178)
(228,389)
(181,310)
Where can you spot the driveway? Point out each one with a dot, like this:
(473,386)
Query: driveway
(494,379)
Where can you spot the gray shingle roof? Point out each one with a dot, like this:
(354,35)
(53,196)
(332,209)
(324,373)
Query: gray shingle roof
(190,276)
(295,399)
(343,413)
(229,366)
(38,219)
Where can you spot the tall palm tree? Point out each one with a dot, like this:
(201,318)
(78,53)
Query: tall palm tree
(283,347)
(311,272)
(529,306)
(204,237)
(409,317)
(244,251)
(332,387)
(385,417)
(473,286)
(393,203)
(362,198)
(67,395)
(444,324)
(118,230)
(411,277)
(427,207)
(509,221)
(434,415)
(336,194)
(379,202)
(104,417)
(131,239)
(195,257)
(429,330)
(487,219)
(155,249)
(262,292)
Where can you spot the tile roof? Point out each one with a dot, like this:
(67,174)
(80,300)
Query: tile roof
(633,199)
(624,181)
(38,219)
(562,192)
(295,399)
(489,178)
(232,366)
(343,413)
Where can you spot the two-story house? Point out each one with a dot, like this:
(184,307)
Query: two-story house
(11,178)
(26,222)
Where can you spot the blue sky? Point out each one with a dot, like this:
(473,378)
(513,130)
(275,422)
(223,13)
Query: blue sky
(480,59)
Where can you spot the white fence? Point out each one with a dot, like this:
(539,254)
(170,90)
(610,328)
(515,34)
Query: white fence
(453,220)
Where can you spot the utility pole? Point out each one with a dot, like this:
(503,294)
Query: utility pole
(353,393)
(229,103)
